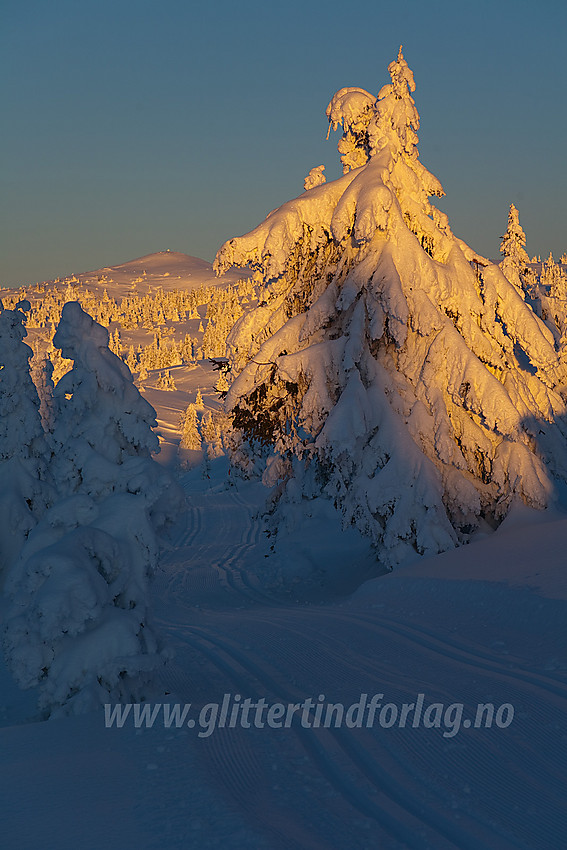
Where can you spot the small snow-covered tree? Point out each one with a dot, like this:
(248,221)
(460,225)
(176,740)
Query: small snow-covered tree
(551,295)
(114,342)
(381,370)
(212,434)
(132,360)
(187,350)
(25,490)
(78,622)
(222,386)
(190,436)
(512,246)
(553,278)
(166,381)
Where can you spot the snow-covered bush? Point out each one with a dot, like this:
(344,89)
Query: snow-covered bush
(380,368)
(78,622)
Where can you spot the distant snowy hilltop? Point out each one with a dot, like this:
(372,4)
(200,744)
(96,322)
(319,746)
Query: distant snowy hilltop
(365,360)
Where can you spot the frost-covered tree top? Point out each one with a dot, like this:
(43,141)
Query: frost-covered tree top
(315,177)
(512,244)
(101,403)
(402,371)
(24,490)
(353,206)
(20,426)
(352,108)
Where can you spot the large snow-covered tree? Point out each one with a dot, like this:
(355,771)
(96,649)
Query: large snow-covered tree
(388,366)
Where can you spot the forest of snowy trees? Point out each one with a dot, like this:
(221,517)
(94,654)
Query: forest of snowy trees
(374,361)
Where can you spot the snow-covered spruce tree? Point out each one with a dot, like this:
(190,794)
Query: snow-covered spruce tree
(25,489)
(512,244)
(553,279)
(166,381)
(78,621)
(388,366)
(189,426)
(551,301)
(222,386)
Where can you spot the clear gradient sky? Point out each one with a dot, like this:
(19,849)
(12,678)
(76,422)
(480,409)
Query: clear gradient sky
(133,126)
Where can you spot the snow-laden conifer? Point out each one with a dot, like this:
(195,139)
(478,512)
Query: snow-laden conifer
(25,488)
(512,246)
(78,621)
(387,365)
(190,436)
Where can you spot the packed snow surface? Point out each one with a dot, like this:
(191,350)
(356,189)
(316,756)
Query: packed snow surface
(484,623)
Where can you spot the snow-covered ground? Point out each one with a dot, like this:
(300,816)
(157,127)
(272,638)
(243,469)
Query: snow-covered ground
(481,624)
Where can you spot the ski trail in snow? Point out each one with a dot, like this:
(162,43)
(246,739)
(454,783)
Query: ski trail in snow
(358,766)
(366,787)
(477,659)
(220,537)
(230,568)
(321,744)
(229,662)
(540,766)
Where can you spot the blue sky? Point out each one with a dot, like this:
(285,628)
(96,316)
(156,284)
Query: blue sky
(134,126)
